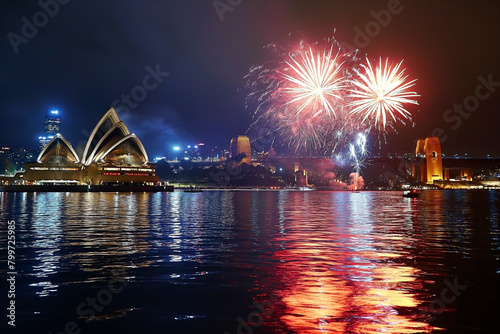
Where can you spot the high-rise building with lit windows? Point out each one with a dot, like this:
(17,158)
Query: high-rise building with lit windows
(52,126)
(52,122)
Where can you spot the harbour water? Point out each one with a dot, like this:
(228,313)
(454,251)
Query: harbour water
(252,262)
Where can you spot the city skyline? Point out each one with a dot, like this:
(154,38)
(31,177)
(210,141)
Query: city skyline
(192,85)
(177,148)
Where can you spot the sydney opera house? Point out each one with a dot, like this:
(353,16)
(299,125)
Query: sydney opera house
(112,156)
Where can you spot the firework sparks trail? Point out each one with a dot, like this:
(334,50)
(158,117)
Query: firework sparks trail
(358,151)
(322,99)
(381,91)
(315,80)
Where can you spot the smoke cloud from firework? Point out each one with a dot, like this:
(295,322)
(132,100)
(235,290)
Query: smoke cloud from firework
(356,182)
(324,99)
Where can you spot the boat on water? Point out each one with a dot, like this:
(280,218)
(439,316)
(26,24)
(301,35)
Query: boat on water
(306,188)
(413,193)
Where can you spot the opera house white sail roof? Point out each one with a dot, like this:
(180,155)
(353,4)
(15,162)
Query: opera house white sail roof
(109,143)
(58,151)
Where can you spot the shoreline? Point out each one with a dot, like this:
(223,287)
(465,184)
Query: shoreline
(85,188)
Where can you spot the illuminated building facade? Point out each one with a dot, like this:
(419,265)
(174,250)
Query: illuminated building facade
(52,123)
(4,160)
(52,126)
(112,156)
(57,162)
(432,167)
(241,145)
(458,174)
(187,152)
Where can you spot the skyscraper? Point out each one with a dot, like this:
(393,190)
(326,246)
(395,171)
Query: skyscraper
(51,128)
(52,122)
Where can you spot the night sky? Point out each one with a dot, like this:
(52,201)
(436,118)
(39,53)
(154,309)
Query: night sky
(91,52)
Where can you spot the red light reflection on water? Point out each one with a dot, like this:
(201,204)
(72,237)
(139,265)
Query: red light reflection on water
(345,276)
